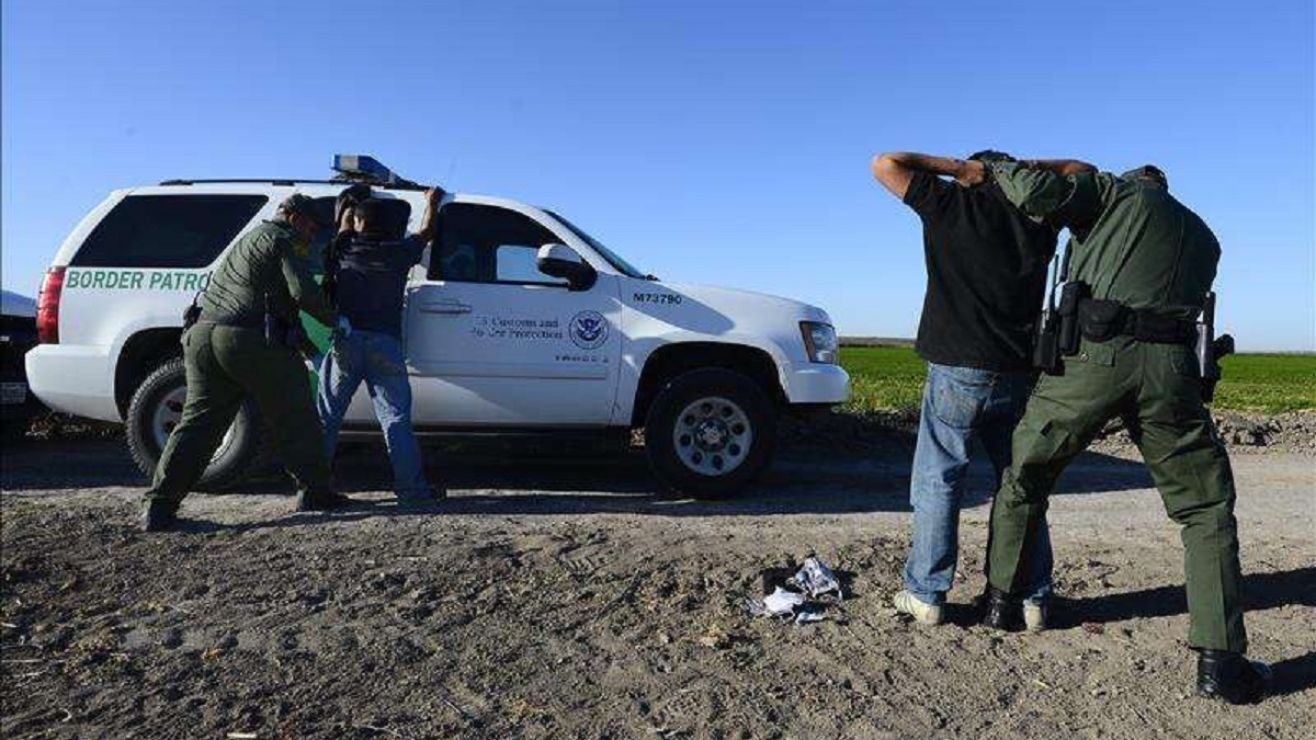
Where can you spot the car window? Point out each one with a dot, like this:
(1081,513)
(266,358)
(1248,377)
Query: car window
(167,230)
(518,264)
(612,257)
(488,244)
(325,208)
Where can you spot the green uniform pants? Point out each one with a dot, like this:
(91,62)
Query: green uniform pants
(225,365)
(1156,389)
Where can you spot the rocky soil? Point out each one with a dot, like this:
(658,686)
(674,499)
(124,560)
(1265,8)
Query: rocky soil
(562,598)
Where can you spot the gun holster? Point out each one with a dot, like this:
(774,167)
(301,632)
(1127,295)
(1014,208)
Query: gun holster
(1046,346)
(276,330)
(1222,346)
(1058,333)
(279,332)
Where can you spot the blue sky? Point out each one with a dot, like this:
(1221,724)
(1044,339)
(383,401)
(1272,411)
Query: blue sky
(719,142)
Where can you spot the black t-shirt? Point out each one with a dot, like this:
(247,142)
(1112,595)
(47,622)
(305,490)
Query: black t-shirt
(987,267)
(372,280)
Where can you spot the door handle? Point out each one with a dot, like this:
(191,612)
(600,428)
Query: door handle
(444,307)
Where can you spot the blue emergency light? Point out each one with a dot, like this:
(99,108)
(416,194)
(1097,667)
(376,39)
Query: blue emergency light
(364,168)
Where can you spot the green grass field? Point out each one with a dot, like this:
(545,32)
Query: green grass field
(892,378)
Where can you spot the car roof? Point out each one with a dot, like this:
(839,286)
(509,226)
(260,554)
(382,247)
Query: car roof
(292,183)
(315,188)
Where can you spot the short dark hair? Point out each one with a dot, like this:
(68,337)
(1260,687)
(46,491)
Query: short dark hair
(991,155)
(371,213)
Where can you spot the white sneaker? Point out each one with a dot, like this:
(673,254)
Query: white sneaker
(907,603)
(1034,616)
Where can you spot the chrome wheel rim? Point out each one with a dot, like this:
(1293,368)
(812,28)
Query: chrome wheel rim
(170,411)
(712,436)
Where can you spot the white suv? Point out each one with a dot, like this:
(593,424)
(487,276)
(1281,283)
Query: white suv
(516,321)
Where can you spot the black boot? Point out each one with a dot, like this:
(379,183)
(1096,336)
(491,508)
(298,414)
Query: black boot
(436,494)
(159,516)
(322,501)
(1231,677)
(1003,612)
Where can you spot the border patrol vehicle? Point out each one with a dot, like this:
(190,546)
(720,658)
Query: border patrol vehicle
(516,321)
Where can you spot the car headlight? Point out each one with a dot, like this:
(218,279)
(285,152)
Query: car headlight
(820,342)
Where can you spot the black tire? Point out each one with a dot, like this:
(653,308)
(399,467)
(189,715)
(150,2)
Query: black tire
(13,428)
(672,451)
(232,463)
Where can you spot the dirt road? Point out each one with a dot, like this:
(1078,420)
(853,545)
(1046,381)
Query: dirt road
(564,600)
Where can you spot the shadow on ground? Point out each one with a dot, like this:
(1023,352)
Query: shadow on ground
(1260,591)
(1294,675)
(804,479)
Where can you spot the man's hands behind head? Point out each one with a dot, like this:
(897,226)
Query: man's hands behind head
(970,172)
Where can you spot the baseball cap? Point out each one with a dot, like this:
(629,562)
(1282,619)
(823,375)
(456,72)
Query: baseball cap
(303,205)
(1147,172)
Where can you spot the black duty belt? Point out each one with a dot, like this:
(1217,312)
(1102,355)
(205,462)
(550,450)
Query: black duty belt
(257,323)
(1101,321)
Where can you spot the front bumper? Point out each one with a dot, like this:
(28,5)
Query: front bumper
(74,379)
(816,383)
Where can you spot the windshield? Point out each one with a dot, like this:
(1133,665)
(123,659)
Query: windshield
(613,258)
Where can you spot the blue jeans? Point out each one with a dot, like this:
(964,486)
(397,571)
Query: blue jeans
(961,404)
(377,359)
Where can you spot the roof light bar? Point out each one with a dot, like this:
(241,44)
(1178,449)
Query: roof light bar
(364,168)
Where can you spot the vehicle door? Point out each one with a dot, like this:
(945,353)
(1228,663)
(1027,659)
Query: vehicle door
(495,342)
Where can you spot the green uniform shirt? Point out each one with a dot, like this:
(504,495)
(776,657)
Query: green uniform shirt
(1132,241)
(268,261)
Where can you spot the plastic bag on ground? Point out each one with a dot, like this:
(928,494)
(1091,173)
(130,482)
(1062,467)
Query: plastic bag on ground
(815,579)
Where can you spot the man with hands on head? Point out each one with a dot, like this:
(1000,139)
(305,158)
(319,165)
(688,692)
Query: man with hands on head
(372,269)
(986,264)
(1141,264)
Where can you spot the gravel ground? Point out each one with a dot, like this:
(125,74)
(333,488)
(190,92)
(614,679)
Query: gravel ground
(563,599)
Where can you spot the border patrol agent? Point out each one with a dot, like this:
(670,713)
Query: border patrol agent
(1147,262)
(245,342)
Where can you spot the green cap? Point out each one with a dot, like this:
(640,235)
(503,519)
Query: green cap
(303,205)
(1147,172)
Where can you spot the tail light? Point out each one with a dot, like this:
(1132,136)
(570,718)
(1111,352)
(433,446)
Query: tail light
(48,306)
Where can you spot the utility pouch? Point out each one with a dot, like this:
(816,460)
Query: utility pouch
(1071,295)
(191,315)
(1100,320)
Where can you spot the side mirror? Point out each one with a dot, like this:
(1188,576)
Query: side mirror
(561,261)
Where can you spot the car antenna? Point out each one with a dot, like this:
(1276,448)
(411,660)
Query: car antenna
(452,169)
